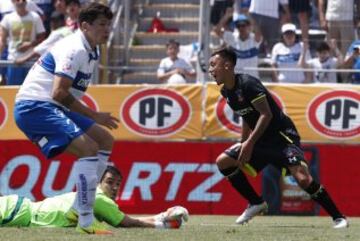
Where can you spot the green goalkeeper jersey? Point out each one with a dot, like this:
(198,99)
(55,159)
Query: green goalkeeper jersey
(50,212)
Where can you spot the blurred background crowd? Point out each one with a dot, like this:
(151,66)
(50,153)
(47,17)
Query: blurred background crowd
(169,41)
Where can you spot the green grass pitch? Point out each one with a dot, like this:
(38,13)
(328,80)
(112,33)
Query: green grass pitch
(207,228)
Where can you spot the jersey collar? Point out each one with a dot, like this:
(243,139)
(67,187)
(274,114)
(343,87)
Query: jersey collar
(93,53)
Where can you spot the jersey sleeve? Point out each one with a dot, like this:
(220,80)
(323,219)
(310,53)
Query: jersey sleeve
(161,68)
(4,22)
(47,43)
(68,63)
(105,209)
(253,89)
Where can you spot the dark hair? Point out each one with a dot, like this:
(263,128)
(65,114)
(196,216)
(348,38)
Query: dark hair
(93,11)
(172,42)
(113,170)
(68,2)
(226,53)
(323,46)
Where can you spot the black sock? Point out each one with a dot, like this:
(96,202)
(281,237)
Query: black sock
(239,181)
(321,196)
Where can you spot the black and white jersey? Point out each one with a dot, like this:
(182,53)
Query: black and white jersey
(246,91)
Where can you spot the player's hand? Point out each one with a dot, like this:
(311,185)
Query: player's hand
(245,153)
(106,119)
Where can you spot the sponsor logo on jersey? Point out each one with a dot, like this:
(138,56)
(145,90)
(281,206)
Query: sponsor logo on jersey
(155,112)
(335,114)
(3,113)
(90,102)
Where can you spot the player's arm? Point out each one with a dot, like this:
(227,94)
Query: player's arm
(171,218)
(31,55)
(62,95)
(143,222)
(221,26)
(245,132)
(262,106)
(164,76)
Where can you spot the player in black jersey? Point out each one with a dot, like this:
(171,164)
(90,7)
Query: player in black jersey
(268,137)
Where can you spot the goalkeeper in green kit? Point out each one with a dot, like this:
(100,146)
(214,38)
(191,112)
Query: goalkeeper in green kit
(57,211)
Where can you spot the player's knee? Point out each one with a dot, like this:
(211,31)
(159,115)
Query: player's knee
(303,180)
(223,161)
(90,149)
(107,141)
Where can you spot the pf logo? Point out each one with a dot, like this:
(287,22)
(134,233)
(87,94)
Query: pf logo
(232,121)
(89,102)
(155,112)
(3,113)
(335,114)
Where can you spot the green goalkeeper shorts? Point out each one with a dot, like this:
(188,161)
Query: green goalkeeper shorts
(15,211)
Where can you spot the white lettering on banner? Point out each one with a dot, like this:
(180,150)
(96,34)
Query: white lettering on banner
(47,188)
(143,184)
(179,170)
(33,163)
(154,169)
(200,192)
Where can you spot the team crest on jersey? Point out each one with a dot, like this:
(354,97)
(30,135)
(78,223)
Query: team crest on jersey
(66,67)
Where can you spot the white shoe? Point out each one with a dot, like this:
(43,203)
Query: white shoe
(341,223)
(251,211)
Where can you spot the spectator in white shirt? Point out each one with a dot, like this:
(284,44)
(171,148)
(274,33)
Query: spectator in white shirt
(20,30)
(244,43)
(172,69)
(286,54)
(324,61)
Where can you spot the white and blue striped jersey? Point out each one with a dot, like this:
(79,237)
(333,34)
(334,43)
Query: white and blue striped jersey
(71,57)
(288,57)
(247,52)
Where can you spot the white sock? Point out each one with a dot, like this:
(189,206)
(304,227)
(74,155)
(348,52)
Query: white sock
(86,182)
(103,157)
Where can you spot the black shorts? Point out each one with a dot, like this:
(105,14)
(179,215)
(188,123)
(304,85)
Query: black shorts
(283,151)
(299,6)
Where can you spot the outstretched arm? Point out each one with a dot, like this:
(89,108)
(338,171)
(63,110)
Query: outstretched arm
(172,218)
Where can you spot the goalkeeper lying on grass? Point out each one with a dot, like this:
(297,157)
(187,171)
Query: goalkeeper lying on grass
(57,211)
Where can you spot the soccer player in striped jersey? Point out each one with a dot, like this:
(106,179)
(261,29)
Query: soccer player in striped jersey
(49,111)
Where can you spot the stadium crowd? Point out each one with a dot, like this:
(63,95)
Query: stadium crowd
(278,34)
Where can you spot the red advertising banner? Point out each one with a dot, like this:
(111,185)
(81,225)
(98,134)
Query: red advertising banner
(160,175)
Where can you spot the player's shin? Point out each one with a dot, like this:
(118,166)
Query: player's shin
(321,196)
(239,181)
(103,157)
(86,173)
